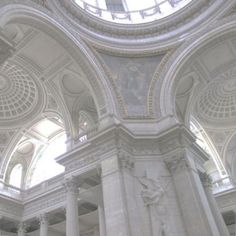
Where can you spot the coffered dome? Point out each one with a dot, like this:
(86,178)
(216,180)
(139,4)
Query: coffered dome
(218,101)
(19,95)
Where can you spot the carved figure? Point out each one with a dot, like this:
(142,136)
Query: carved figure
(152,195)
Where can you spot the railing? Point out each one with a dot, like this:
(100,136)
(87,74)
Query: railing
(160,10)
(10,190)
(45,185)
(223,184)
(20,194)
(85,136)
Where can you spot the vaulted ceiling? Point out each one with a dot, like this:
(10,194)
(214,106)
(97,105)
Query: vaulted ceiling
(207,92)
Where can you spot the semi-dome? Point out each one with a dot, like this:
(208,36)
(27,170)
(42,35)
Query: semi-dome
(217,103)
(20,96)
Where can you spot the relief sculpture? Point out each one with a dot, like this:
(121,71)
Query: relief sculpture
(153,195)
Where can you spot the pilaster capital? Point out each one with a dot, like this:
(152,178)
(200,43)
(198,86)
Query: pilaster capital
(206,180)
(21,227)
(126,162)
(177,162)
(71,185)
(43,219)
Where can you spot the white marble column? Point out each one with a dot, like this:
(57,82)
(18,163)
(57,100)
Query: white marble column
(72,215)
(207,184)
(102,223)
(21,229)
(43,221)
(196,212)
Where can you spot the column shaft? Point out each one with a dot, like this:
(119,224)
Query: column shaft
(43,225)
(72,216)
(102,224)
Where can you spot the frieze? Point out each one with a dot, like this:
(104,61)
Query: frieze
(43,218)
(48,201)
(10,208)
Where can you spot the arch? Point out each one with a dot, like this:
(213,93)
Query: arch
(16,175)
(54,27)
(226,145)
(43,20)
(229,160)
(43,165)
(23,164)
(166,86)
(15,142)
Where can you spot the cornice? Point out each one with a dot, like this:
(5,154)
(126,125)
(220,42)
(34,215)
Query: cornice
(143,38)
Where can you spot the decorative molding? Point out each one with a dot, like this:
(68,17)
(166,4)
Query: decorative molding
(87,24)
(43,204)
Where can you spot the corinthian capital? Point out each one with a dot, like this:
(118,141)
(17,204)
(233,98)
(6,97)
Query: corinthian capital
(43,219)
(177,162)
(71,185)
(21,228)
(126,161)
(206,180)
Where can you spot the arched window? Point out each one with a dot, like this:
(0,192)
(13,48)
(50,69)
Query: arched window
(16,175)
(45,166)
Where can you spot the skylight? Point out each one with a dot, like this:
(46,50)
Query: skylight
(46,128)
(131,11)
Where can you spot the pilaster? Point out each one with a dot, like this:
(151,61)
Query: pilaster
(207,184)
(197,215)
(119,196)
